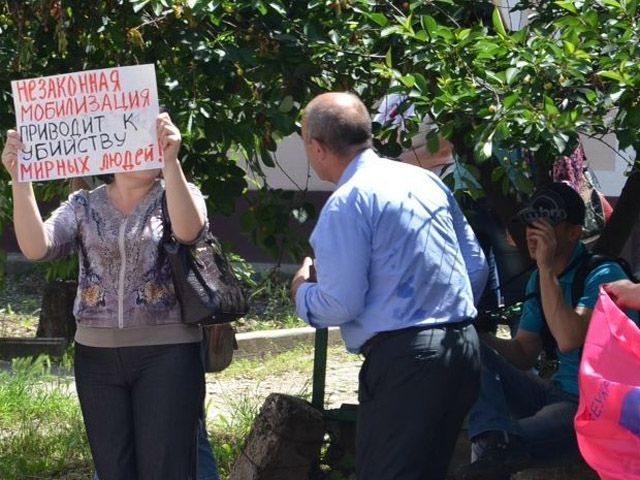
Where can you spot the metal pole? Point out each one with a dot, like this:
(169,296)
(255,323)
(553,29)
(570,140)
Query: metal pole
(319,368)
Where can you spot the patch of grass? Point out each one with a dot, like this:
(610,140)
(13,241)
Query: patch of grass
(231,431)
(299,359)
(20,303)
(41,428)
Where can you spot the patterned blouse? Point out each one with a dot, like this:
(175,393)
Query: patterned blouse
(124,281)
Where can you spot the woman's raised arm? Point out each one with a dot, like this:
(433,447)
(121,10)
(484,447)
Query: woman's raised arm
(27,220)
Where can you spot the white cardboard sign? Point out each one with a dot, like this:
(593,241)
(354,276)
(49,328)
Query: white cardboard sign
(87,123)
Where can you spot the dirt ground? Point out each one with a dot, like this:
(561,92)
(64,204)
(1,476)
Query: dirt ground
(341,386)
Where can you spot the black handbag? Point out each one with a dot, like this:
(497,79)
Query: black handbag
(206,288)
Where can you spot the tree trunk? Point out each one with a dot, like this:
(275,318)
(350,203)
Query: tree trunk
(624,217)
(56,315)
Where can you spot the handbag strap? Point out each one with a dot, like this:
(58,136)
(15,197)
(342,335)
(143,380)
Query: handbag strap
(166,221)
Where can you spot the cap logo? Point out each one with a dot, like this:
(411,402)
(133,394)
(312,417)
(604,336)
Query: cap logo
(544,207)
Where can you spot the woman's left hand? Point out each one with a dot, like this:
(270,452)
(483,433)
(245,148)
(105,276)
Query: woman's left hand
(169,138)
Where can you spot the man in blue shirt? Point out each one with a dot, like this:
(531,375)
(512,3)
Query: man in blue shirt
(520,419)
(398,268)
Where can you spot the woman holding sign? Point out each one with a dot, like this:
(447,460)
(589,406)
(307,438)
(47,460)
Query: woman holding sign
(138,371)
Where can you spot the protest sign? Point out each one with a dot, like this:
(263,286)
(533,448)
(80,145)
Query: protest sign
(87,123)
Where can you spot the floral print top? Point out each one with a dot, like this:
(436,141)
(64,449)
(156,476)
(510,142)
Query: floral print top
(123,280)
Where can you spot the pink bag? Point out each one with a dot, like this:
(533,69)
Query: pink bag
(608,419)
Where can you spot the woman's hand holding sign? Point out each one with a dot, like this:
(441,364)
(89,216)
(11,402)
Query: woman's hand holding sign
(10,153)
(169,138)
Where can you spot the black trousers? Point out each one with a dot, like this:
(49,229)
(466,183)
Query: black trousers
(415,390)
(141,407)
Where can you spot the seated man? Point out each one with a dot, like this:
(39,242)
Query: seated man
(520,419)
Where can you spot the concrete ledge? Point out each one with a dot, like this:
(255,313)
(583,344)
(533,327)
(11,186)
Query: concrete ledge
(258,343)
(30,347)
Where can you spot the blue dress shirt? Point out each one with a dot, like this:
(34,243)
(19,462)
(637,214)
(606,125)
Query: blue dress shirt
(392,250)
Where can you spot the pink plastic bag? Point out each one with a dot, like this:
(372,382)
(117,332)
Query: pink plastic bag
(608,418)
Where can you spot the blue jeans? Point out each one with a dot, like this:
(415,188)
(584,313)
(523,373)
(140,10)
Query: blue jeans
(524,405)
(206,468)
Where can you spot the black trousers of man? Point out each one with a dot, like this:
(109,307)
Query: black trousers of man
(416,387)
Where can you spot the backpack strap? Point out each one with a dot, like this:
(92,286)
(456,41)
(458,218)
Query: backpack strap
(549,343)
(594,261)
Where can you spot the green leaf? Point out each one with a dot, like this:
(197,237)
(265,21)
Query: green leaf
(286,105)
(560,140)
(386,31)
(511,74)
(463,34)
(277,6)
(498,25)
(511,100)
(433,141)
(429,24)
(610,74)
(550,106)
(569,47)
(496,174)
(568,5)
(408,81)
(387,59)
(421,83)
(140,5)
(378,18)
(262,8)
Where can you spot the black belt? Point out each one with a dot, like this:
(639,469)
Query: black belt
(382,336)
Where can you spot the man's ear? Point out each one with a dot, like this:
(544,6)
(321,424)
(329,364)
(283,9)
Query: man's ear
(575,232)
(319,148)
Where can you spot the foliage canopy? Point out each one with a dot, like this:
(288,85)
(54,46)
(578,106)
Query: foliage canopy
(235,75)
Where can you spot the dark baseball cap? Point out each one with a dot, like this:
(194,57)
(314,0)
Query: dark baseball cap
(556,203)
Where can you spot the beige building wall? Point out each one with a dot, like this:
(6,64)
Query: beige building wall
(292,171)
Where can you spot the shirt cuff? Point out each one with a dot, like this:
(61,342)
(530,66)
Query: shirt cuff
(301,302)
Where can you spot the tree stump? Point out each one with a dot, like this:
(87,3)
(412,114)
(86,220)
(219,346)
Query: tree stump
(56,314)
(284,442)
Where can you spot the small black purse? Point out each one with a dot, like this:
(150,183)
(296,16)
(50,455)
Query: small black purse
(206,288)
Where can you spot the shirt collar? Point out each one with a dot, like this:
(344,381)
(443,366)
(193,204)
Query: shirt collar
(354,164)
(578,251)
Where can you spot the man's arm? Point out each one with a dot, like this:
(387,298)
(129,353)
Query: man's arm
(342,247)
(306,273)
(567,325)
(521,351)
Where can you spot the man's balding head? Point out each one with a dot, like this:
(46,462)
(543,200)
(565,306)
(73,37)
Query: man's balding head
(340,121)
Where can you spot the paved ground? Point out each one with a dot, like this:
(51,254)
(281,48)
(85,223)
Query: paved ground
(226,394)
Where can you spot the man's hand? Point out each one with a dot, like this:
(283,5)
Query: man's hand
(625,293)
(543,235)
(306,273)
